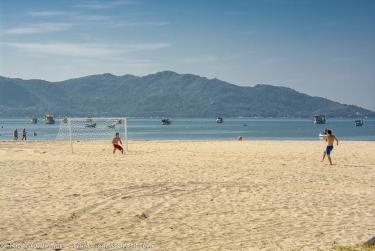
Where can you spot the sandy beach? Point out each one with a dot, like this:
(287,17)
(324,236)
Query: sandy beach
(188,195)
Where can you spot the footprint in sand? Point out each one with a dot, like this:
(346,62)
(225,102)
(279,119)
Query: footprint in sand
(143,216)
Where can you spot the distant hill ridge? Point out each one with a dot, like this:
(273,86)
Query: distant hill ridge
(165,93)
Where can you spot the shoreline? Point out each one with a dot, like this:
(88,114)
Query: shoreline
(190,140)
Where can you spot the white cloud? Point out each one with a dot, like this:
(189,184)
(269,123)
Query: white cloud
(201,59)
(85,17)
(70,15)
(85,50)
(77,17)
(47,13)
(38,28)
(106,4)
(146,46)
(140,23)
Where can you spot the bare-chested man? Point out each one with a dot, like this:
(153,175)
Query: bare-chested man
(330,138)
(117,143)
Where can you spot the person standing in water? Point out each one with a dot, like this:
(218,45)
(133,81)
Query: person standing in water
(330,138)
(24,134)
(15,134)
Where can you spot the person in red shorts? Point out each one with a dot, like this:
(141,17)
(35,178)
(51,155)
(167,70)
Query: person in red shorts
(117,143)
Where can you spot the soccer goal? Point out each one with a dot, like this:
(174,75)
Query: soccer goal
(76,130)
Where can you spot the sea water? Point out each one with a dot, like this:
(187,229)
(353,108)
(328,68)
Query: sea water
(207,129)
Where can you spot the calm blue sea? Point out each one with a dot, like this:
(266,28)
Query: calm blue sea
(208,129)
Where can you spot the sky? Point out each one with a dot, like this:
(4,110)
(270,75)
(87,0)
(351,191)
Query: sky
(320,47)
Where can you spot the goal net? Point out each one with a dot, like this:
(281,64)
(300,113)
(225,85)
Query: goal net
(77,130)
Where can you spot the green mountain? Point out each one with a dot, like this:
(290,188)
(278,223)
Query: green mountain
(162,94)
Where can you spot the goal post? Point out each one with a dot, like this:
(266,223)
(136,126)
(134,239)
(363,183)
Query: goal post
(126,133)
(77,130)
(70,134)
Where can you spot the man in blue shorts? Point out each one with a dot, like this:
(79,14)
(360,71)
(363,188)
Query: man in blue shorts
(330,138)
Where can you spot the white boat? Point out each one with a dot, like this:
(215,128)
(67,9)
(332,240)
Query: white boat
(49,119)
(93,125)
(113,125)
(219,120)
(166,121)
(34,120)
(319,119)
(359,121)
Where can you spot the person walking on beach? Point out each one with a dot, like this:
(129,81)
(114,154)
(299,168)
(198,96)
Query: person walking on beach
(117,143)
(330,138)
(24,134)
(15,134)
